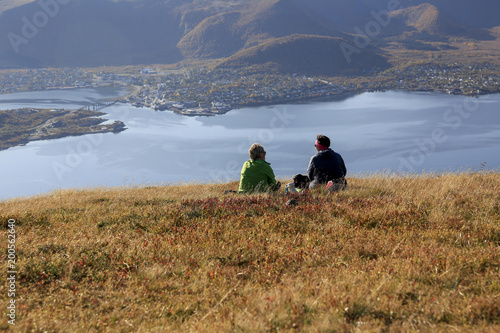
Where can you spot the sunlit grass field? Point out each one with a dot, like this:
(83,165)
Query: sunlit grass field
(389,254)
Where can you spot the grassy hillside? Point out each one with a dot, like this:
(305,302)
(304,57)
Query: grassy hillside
(388,254)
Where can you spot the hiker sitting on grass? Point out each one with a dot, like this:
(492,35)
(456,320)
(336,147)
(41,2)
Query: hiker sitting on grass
(326,167)
(257,174)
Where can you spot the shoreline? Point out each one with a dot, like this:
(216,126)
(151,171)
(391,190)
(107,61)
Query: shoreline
(50,124)
(119,126)
(299,101)
(129,89)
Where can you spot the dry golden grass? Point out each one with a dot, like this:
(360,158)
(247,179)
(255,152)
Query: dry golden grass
(389,254)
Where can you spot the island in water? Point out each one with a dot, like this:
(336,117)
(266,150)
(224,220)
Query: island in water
(20,126)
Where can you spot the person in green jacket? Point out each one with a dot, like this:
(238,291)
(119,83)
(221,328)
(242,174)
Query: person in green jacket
(257,174)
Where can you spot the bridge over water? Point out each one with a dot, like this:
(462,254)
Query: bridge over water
(99,105)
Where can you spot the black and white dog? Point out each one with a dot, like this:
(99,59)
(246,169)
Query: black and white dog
(301,182)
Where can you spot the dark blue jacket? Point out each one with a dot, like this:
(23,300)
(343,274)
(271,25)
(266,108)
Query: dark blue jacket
(326,165)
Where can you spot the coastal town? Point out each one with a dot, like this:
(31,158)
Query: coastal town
(209,92)
(212,92)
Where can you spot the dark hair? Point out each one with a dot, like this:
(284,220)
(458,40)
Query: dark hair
(323,140)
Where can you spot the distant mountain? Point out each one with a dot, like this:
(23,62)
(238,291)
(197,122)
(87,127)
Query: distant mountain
(472,14)
(228,32)
(89,33)
(280,18)
(305,54)
(477,14)
(291,33)
(425,18)
(214,37)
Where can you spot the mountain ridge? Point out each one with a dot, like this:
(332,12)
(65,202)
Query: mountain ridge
(91,33)
(324,56)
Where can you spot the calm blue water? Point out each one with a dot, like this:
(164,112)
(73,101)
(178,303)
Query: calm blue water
(374,132)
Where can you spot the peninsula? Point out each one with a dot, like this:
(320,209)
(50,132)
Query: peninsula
(20,126)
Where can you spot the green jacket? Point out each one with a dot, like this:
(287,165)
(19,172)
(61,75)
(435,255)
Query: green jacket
(256,176)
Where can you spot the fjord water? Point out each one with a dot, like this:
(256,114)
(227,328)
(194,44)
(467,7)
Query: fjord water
(374,132)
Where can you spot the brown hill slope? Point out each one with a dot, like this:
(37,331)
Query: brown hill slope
(426,18)
(280,18)
(214,37)
(306,54)
(225,33)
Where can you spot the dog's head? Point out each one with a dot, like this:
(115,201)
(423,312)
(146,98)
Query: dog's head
(301,181)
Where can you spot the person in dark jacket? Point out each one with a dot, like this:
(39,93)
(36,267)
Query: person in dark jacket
(327,166)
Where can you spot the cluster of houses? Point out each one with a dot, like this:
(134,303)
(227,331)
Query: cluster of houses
(208,93)
(58,78)
(198,95)
(204,92)
(457,79)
